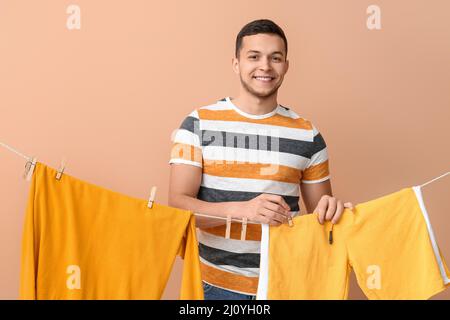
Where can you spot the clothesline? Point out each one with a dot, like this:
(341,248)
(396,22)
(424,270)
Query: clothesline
(15,151)
(199,214)
(196,214)
(437,178)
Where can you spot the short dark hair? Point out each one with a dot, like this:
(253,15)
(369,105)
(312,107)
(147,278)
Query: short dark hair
(256,27)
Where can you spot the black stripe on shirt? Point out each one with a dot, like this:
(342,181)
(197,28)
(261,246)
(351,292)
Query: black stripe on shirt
(217,195)
(222,257)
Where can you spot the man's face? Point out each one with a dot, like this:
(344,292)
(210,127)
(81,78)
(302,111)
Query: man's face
(262,64)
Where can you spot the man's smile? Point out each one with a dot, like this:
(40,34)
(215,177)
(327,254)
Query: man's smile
(264,78)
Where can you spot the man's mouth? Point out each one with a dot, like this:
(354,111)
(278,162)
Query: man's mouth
(264,78)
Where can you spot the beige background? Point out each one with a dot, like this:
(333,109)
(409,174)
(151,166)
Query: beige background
(108,96)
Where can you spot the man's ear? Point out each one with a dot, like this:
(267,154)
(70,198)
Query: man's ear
(287,66)
(235,65)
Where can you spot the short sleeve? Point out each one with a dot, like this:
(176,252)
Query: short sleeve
(186,147)
(317,168)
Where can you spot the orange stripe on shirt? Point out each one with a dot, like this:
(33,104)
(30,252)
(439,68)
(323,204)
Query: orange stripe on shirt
(228,280)
(253,231)
(235,169)
(316,172)
(186,152)
(276,120)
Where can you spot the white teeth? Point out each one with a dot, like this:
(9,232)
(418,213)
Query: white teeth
(264,78)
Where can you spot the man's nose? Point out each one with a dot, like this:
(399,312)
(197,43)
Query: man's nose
(265,64)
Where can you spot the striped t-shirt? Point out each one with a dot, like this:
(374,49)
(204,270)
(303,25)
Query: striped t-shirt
(242,156)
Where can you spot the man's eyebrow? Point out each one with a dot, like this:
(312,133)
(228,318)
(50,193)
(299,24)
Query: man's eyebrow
(278,52)
(255,51)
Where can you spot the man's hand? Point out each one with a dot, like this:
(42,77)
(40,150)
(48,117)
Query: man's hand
(330,208)
(266,208)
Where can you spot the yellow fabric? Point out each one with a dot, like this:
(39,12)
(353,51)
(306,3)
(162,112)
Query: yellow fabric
(385,241)
(82,241)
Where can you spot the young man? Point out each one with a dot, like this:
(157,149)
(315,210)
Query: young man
(248,157)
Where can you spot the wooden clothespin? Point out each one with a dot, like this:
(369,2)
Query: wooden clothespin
(152,197)
(291,223)
(228,229)
(29,168)
(62,166)
(244,228)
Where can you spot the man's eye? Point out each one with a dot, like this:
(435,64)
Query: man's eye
(277,59)
(252,57)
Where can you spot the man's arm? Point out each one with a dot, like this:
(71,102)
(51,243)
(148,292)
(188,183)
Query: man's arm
(313,192)
(183,189)
(320,197)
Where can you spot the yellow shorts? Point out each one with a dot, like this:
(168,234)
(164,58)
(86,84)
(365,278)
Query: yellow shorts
(388,242)
(81,241)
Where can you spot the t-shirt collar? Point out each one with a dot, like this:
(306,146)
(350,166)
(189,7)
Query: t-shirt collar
(249,115)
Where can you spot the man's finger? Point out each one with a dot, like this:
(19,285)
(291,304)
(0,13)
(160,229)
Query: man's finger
(288,208)
(278,199)
(275,207)
(260,217)
(321,209)
(284,204)
(273,216)
(331,208)
(320,213)
(338,214)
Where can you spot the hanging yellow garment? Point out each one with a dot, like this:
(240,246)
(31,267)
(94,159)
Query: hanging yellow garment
(388,242)
(82,241)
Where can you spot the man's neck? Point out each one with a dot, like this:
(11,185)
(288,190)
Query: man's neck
(255,105)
